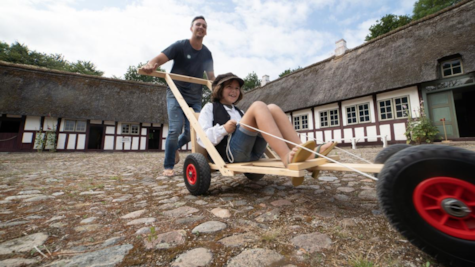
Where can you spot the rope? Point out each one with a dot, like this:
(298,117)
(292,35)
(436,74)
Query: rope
(349,153)
(311,151)
(229,154)
(8,138)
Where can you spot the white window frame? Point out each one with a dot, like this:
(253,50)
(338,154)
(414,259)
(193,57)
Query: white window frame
(357,113)
(300,121)
(75,127)
(129,128)
(451,67)
(326,118)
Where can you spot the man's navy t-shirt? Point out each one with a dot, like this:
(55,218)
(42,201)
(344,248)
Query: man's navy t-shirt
(190,62)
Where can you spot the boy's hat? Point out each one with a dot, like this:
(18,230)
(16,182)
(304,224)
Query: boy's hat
(226,77)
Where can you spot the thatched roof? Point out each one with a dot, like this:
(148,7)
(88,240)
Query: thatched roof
(404,57)
(29,90)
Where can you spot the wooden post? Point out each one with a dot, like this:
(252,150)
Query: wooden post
(445,131)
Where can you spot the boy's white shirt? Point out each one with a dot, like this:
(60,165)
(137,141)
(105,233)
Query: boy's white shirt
(217,132)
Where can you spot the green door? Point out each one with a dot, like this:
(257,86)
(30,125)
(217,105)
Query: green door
(441,105)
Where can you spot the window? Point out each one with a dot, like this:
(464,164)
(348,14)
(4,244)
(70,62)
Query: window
(452,67)
(81,126)
(130,128)
(358,113)
(75,126)
(69,126)
(329,118)
(395,108)
(301,122)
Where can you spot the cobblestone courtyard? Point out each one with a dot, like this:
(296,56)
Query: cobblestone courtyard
(115,209)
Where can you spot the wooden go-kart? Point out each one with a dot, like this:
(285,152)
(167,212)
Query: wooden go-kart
(427,192)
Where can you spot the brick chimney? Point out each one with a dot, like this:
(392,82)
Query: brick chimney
(265,80)
(340,47)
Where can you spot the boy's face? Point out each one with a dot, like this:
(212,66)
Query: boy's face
(231,92)
(199,28)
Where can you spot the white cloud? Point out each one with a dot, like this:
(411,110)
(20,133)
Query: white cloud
(266,37)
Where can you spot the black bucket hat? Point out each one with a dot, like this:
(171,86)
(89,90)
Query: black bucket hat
(226,77)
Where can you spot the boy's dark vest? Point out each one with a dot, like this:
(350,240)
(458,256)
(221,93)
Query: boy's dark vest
(221,116)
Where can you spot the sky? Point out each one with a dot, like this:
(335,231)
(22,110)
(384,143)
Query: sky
(244,36)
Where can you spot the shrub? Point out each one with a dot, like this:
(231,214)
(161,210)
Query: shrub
(420,129)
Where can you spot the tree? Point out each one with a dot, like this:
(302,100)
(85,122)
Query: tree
(423,8)
(85,67)
(251,81)
(20,54)
(387,24)
(132,75)
(288,71)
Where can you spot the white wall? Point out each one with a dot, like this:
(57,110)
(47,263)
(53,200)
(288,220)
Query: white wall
(32,123)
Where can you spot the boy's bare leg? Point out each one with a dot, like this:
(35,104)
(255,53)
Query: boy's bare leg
(285,127)
(259,116)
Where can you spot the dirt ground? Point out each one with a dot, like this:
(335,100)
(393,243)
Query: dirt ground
(79,200)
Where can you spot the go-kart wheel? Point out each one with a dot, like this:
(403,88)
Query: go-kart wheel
(387,152)
(197,174)
(254,176)
(428,194)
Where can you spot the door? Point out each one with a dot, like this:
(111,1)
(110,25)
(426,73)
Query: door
(441,105)
(154,138)
(9,136)
(96,132)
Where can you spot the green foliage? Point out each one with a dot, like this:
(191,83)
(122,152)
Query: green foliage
(251,81)
(387,24)
(46,139)
(20,54)
(84,67)
(420,129)
(206,95)
(423,8)
(132,75)
(288,71)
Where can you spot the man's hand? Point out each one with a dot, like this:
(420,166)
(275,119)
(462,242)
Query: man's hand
(230,126)
(149,67)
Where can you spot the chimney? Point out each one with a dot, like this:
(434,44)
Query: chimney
(265,80)
(340,47)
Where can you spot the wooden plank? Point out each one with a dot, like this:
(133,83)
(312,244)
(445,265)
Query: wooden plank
(195,147)
(242,168)
(176,77)
(270,154)
(197,127)
(372,168)
(307,164)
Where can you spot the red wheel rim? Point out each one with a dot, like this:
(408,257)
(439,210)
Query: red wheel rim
(448,204)
(191,175)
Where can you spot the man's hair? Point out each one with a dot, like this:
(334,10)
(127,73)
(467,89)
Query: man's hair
(198,17)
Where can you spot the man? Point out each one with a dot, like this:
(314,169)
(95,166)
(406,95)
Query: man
(191,58)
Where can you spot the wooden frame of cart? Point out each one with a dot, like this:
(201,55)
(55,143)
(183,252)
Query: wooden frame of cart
(197,175)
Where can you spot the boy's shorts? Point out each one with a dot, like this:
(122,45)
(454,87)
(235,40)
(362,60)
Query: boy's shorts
(246,145)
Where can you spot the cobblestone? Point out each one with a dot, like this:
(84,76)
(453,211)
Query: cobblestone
(75,208)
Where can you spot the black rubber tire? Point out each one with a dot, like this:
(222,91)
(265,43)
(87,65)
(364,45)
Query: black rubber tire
(196,168)
(400,176)
(387,152)
(254,176)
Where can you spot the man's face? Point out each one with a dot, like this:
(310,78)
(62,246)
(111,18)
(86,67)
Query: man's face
(199,28)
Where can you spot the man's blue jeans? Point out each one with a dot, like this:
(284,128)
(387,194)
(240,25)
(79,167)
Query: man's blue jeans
(175,140)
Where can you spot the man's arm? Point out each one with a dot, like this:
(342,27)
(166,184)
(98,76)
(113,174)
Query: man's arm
(210,75)
(155,63)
